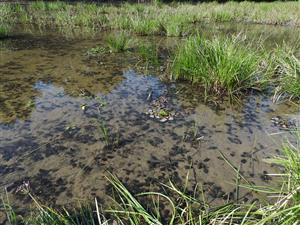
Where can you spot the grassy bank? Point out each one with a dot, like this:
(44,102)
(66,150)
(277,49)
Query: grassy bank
(181,207)
(147,19)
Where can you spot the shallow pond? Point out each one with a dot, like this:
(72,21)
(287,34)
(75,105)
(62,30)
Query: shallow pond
(67,119)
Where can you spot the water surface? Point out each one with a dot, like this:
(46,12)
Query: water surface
(56,101)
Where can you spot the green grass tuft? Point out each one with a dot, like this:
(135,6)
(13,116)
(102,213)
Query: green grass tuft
(146,26)
(287,72)
(220,66)
(48,6)
(175,25)
(118,42)
(148,53)
(3,31)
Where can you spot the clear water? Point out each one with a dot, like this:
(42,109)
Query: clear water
(55,102)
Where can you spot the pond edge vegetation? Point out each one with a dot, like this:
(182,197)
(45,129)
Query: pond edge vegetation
(230,67)
(224,67)
(221,67)
(176,19)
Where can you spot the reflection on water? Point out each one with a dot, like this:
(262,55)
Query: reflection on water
(62,66)
(54,104)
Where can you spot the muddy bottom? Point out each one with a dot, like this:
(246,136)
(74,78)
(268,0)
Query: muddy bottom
(67,119)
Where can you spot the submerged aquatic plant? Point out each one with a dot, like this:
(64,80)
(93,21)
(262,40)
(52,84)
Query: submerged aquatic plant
(220,66)
(118,42)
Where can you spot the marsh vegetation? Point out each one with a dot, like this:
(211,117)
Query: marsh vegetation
(136,110)
(118,42)
(223,66)
(3,31)
(147,19)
